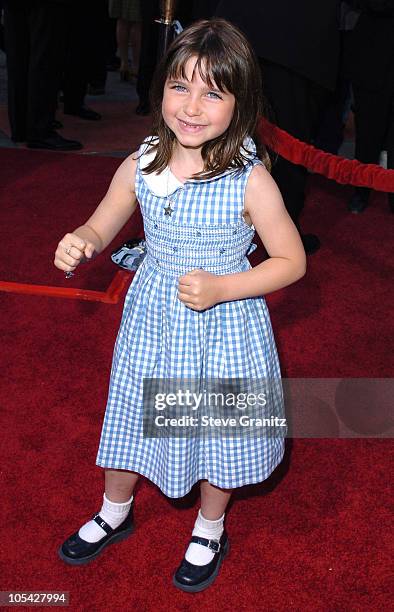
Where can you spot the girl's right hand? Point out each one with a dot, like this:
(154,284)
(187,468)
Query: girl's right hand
(71,251)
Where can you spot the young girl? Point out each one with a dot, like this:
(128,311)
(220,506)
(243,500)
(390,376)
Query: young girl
(195,308)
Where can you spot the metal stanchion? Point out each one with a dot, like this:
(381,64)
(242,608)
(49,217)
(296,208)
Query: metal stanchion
(167,25)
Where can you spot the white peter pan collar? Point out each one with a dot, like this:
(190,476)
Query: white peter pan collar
(162,184)
(166,183)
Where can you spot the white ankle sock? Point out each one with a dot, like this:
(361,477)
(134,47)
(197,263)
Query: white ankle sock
(112,513)
(197,553)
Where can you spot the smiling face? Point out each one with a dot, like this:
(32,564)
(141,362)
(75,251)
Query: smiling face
(195,111)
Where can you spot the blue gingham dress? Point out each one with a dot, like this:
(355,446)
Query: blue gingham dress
(160,337)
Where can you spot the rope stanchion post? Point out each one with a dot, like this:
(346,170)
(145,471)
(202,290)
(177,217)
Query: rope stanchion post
(166,21)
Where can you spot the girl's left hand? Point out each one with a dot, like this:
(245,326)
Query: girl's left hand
(199,289)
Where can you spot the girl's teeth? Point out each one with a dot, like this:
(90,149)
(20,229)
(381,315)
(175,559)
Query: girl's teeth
(192,125)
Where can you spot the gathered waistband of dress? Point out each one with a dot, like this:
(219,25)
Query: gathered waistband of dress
(174,266)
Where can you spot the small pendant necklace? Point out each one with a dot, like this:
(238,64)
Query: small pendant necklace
(167,208)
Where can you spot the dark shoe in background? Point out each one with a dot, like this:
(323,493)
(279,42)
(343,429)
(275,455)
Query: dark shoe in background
(84,113)
(57,125)
(311,243)
(54,142)
(359,201)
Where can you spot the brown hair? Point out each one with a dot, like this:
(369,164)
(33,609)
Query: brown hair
(224,57)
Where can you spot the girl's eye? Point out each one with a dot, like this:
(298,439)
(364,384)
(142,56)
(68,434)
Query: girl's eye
(178,87)
(213,94)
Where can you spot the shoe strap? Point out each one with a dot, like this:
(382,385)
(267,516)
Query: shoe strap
(212,544)
(101,522)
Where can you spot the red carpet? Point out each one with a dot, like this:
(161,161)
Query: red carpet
(314,537)
(42,199)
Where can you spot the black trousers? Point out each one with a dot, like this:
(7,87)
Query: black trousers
(374,120)
(85,53)
(1,26)
(99,39)
(150,10)
(295,105)
(331,130)
(34,61)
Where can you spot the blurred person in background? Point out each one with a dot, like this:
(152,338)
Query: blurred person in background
(84,44)
(2,26)
(100,40)
(370,66)
(298,46)
(128,33)
(150,10)
(336,112)
(34,46)
(111,45)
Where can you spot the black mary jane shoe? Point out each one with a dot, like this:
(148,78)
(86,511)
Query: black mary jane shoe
(194,578)
(76,551)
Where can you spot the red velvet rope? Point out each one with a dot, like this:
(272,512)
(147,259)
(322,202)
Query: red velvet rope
(340,169)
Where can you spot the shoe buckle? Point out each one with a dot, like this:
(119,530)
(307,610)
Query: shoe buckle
(214,545)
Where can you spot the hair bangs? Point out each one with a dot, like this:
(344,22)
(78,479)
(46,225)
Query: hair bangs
(210,65)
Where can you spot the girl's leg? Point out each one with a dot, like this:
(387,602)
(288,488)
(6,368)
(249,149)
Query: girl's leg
(213,500)
(209,523)
(119,485)
(122,37)
(112,523)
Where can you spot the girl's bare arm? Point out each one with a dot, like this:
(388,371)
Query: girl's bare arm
(287,259)
(115,208)
(100,229)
